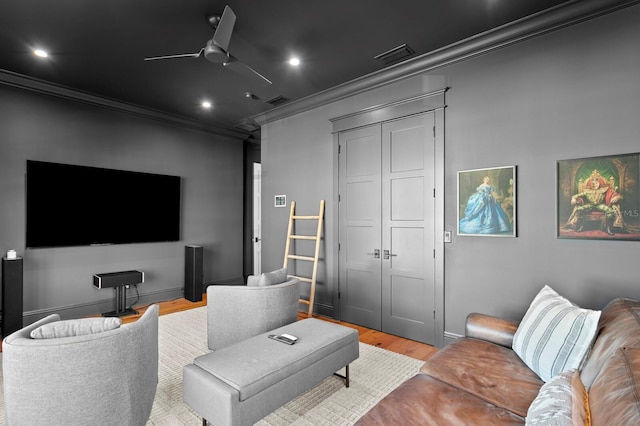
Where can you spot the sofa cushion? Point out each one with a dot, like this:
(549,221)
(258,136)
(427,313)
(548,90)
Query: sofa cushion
(268,278)
(619,326)
(554,335)
(563,400)
(614,397)
(75,327)
(491,372)
(424,400)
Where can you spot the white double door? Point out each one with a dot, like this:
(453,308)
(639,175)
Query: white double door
(386,230)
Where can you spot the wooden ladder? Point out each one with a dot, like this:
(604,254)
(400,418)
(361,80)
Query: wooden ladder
(287,255)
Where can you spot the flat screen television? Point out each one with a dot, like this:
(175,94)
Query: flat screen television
(70,205)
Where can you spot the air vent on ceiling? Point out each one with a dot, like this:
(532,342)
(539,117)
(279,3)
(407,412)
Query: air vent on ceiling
(395,55)
(278,100)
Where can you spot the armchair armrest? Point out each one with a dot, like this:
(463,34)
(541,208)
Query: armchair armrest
(492,329)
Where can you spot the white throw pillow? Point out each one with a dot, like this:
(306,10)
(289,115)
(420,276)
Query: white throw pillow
(76,327)
(554,335)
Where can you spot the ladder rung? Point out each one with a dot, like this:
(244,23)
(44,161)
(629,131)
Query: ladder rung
(303,237)
(305,279)
(295,256)
(306,302)
(307,217)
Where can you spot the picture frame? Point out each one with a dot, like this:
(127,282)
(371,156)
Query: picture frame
(487,202)
(598,198)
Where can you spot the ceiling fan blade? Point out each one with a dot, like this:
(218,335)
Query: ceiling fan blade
(223,32)
(246,70)
(181,55)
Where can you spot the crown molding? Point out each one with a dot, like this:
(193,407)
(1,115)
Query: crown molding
(553,19)
(12,79)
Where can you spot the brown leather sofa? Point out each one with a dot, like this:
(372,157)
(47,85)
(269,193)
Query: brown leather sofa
(479,380)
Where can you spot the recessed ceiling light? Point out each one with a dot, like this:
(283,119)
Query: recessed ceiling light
(294,61)
(40,53)
(206,104)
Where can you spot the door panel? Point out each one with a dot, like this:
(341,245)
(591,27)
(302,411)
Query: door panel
(403,290)
(408,245)
(359,227)
(406,148)
(408,207)
(405,205)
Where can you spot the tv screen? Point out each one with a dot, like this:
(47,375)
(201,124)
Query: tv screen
(69,205)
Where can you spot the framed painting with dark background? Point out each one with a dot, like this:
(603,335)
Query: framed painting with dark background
(599,198)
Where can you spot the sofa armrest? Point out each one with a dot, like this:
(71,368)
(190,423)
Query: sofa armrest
(492,329)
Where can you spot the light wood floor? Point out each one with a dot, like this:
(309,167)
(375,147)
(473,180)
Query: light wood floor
(390,342)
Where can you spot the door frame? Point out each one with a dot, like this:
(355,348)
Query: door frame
(426,102)
(257,219)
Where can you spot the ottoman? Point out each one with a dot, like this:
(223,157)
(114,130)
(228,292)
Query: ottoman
(242,383)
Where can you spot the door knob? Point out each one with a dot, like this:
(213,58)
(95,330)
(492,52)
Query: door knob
(376,254)
(387,255)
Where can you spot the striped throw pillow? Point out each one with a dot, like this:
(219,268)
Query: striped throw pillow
(563,400)
(554,335)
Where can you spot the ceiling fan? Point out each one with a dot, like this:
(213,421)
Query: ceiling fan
(216,49)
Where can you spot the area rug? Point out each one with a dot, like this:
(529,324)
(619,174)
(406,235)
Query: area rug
(183,336)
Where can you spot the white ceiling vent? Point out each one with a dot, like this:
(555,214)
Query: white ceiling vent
(395,55)
(278,100)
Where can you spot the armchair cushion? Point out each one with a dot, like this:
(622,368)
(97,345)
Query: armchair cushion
(268,278)
(75,327)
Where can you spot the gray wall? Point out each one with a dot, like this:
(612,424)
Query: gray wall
(46,128)
(568,94)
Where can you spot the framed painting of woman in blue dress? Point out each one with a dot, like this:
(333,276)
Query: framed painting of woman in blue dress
(487,202)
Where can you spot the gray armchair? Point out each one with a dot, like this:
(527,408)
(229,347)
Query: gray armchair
(235,313)
(105,378)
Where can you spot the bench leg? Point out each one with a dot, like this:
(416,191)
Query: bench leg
(345,377)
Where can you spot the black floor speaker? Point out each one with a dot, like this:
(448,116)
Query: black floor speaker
(193,273)
(12,296)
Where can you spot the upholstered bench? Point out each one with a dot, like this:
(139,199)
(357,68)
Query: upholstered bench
(242,383)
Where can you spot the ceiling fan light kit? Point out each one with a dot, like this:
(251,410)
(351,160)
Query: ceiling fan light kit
(215,53)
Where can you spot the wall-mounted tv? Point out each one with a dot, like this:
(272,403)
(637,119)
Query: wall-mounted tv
(70,205)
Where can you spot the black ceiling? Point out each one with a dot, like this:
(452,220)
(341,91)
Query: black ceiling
(98,46)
